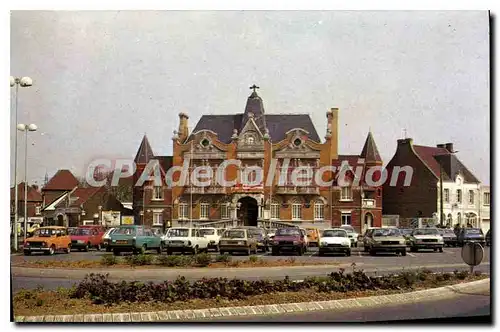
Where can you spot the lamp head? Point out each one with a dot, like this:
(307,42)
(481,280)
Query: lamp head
(32,127)
(21,127)
(12,81)
(26,81)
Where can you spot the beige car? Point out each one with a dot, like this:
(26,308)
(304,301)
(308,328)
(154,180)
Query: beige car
(237,240)
(385,240)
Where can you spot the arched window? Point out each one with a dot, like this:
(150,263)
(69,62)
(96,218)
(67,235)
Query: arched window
(319,209)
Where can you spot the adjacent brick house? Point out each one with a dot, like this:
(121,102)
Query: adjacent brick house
(255,138)
(421,198)
(34,203)
(152,205)
(54,191)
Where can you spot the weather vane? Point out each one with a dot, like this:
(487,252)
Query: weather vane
(254,87)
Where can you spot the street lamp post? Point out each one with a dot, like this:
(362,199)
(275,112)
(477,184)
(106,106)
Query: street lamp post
(26,129)
(24,82)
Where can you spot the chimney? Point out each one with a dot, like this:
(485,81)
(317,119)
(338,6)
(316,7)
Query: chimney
(183,131)
(449,147)
(333,129)
(442,146)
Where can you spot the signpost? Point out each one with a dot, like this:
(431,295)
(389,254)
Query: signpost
(472,254)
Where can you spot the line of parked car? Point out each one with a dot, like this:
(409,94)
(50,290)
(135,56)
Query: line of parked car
(139,239)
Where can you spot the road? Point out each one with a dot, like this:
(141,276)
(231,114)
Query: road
(448,261)
(462,305)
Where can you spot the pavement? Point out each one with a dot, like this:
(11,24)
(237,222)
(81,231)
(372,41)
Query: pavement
(447,261)
(466,299)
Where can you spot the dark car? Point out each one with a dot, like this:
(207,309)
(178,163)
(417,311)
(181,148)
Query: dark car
(488,237)
(289,239)
(471,235)
(449,237)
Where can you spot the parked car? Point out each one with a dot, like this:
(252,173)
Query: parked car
(449,237)
(488,238)
(471,235)
(49,240)
(353,235)
(185,239)
(334,241)
(289,239)
(260,236)
(238,240)
(134,238)
(106,238)
(406,232)
(313,235)
(386,240)
(86,237)
(71,230)
(426,238)
(213,236)
(366,237)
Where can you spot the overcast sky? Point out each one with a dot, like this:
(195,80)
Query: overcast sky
(104,79)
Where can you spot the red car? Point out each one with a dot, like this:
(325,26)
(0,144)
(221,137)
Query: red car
(289,239)
(86,237)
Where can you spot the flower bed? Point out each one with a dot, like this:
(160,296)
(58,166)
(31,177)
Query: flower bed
(173,261)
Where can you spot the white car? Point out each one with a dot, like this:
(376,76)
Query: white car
(426,238)
(106,237)
(213,235)
(184,239)
(334,241)
(353,235)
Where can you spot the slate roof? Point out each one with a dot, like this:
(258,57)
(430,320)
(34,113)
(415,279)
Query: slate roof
(33,194)
(277,124)
(433,156)
(370,152)
(62,180)
(144,153)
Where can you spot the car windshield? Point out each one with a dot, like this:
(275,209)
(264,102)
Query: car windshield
(426,231)
(335,233)
(45,232)
(82,231)
(288,231)
(473,231)
(220,231)
(178,232)
(348,229)
(256,231)
(125,231)
(406,231)
(206,231)
(386,232)
(234,234)
(71,231)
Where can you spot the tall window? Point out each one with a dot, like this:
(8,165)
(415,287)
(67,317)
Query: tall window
(296,211)
(157,218)
(275,211)
(224,211)
(346,193)
(183,211)
(459,196)
(158,193)
(486,199)
(346,218)
(318,211)
(446,195)
(471,197)
(204,208)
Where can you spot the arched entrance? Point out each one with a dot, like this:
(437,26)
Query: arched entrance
(248,211)
(368,221)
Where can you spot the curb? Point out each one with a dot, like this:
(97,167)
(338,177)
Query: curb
(271,309)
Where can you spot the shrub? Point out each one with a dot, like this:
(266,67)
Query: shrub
(168,260)
(141,259)
(109,260)
(203,259)
(254,259)
(101,291)
(225,258)
(461,275)
(447,276)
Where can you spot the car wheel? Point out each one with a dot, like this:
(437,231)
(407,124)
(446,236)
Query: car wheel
(27,253)
(98,247)
(403,253)
(116,252)
(413,249)
(441,249)
(275,252)
(372,252)
(300,251)
(52,250)
(160,249)
(348,253)
(86,247)
(366,249)
(68,249)
(169,252)
(435,249)
(108,249)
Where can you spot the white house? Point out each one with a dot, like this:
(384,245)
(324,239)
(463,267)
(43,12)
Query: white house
(484,209)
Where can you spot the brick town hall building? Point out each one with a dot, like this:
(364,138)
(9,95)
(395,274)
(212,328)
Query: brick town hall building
(255,138)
